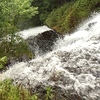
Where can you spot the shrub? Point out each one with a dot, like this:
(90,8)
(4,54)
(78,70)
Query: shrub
(10,92)
(3,62)
(66,18)
(15,50)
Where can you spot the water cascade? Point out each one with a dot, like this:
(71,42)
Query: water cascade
(40,39)
(72,67)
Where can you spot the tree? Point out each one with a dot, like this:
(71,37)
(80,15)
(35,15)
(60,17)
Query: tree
(12,14)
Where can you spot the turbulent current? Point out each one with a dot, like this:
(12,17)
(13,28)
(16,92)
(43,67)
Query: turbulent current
(73,65)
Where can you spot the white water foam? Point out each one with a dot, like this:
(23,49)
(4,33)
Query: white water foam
(33,31)
(73,65)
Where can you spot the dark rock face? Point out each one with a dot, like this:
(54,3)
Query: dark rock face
(43,42)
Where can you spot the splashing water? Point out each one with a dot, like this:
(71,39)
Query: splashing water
(33,31)
(74,64)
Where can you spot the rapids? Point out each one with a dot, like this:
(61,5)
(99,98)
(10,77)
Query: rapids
(73,65)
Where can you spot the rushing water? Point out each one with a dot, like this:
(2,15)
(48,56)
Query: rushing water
(73,65)
(33,31)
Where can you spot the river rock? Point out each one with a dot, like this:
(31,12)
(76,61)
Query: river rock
(43,42)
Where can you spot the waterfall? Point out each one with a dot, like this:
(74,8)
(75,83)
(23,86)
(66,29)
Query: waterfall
(40,39)
(73,65)
(33,31)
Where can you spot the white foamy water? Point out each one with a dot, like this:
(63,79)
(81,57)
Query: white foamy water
(73,65)
(33,31)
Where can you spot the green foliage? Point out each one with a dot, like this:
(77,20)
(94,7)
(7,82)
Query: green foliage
(57,17)
(10,92)
(15,50)
(45,7)
(12,14)
(49,94)
(3,62)
(66,18)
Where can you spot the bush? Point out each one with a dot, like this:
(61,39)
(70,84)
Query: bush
(66,18)
(15,50)
(10,92)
